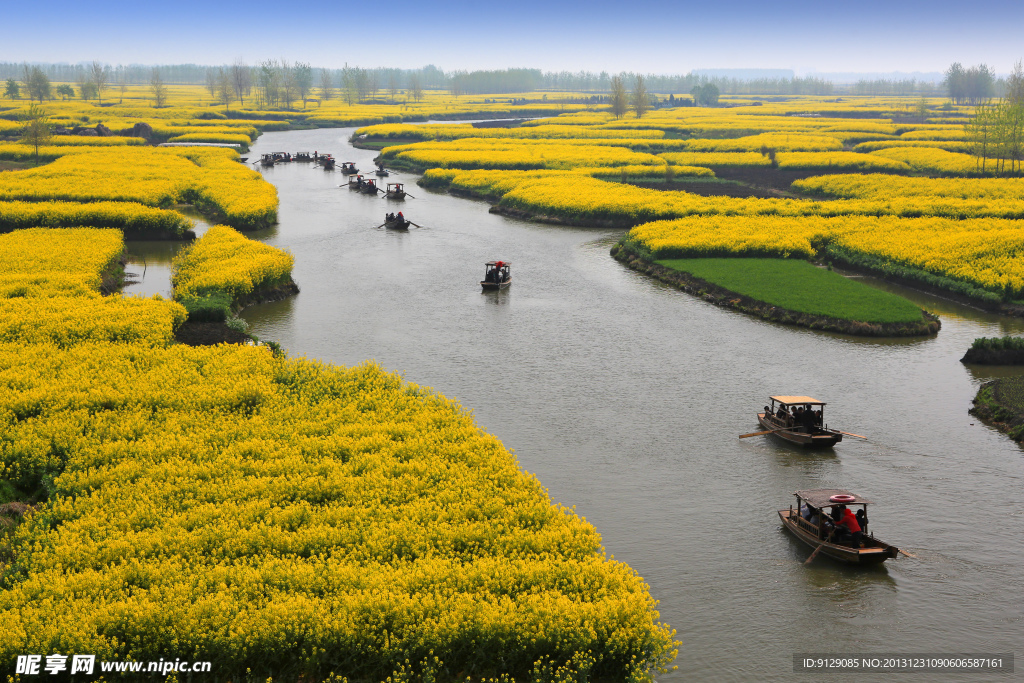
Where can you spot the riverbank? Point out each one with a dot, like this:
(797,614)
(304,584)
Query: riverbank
(1000,403)
(995,351)
(726,298)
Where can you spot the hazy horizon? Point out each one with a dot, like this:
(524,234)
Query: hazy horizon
(653,37)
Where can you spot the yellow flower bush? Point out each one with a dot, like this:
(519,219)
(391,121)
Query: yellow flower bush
(224,260)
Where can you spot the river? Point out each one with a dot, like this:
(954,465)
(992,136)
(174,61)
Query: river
(625,397)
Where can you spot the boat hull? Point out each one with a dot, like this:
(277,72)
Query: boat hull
(822,438)
(874,552)
(495,286)
(397,225)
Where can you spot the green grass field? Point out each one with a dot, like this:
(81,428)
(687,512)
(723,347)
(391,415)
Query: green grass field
(800,286)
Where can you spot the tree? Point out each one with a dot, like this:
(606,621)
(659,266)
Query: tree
(414,87)
(348,84)
(640,100)
(373,78)
(362,83)
(269,77)
(99,74)
(65,90)
(289,86)
(1015,84)
(303,81)
(392,85)
(37,130)
(705,95)
(122,83)
(211,81)
(241,80)
(87,89)
(971,86)
(225,91)
(12,89)
(326,85)
(159,90)
(922,107)
(38,85)
(617,98)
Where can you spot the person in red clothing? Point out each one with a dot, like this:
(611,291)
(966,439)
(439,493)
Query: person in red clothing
(849,521)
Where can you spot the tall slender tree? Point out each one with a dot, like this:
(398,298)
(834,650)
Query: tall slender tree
(326,85)
(415,88)
(617,98)
(303,81)
(37,129)
(640,101)
(99,74)
(157,87)
(241,79)
(38,85)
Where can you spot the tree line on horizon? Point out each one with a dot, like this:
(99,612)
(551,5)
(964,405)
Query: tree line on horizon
(503,81)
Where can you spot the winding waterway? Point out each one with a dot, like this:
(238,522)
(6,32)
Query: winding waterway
(625,397)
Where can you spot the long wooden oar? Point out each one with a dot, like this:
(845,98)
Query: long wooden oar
(416,224)
(814,554)
(850,434)
(818,549)
(907,554)
(770,431)
(379,226)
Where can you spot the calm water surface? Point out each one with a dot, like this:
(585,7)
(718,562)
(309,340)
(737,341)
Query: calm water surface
(625,397)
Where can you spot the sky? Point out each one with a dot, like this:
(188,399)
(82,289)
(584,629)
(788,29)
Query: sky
(648,36)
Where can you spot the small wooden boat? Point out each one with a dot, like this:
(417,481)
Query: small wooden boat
(395,191)
(369,186)
(806,428)
(398,222)
(348,168)
(382,172)
(267,160)
(811,523)
(302,156)
(496,276)
(355,182)
(327,162)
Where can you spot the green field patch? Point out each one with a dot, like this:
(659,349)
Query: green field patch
(800,286)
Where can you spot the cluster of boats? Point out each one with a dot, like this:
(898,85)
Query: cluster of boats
(832,521)
(349,168)
(369,186)
(327,161)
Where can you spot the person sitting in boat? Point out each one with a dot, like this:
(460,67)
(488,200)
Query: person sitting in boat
(400,217)
(848,521)
(781,413)
(810,513)
(862,519)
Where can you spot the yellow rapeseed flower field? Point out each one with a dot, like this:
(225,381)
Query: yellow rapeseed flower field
(227,261)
